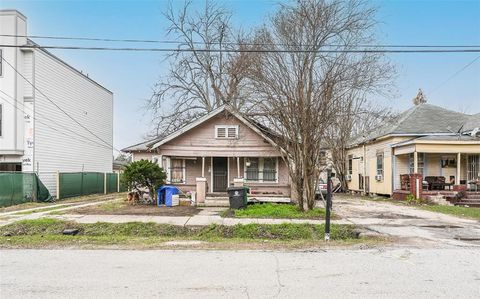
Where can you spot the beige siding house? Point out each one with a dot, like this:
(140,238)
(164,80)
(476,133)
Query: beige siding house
(439,146)
(221,149)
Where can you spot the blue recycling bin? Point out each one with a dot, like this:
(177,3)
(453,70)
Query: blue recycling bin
(165,194)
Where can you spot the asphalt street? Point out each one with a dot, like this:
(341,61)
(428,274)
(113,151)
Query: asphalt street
(372,273)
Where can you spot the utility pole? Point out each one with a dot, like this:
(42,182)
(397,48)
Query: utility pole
(329,202)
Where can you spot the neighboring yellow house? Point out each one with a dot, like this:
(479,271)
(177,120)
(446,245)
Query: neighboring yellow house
(441,145)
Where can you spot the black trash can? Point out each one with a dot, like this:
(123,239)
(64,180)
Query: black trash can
(237,197)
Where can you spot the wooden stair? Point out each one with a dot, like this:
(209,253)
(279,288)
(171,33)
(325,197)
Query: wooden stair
(472,200)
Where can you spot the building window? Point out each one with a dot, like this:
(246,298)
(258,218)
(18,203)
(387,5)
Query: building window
(269,169)
(177,171)
(350,164)
(226,132)
(421,162)
(380,164)
(1,120)
(261,169)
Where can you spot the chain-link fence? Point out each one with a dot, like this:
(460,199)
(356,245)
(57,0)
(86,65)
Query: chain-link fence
(21,187)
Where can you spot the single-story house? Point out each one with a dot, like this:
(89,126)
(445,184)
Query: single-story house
(437,147)
(221,149)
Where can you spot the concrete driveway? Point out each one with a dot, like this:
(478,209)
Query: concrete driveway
(409,224)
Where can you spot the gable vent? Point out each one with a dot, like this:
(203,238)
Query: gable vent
(223,131)
(232,132)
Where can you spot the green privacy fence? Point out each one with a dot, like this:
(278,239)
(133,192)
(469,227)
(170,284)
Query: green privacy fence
(71,184)
(112,182)
(21,187)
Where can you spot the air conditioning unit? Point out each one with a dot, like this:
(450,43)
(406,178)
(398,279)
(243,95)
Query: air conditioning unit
(348,177)
(379,177)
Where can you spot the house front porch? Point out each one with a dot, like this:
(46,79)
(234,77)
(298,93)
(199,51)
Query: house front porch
(436,169)
(211,176)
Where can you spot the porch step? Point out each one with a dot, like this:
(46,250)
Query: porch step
(217,195)
(217,201)
(473,196)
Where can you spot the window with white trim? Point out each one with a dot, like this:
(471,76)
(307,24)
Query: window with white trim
(379,163)
(1,120)
(226,132)
(420,165)
(350,164)
(1,62)
(177,171)
(261,169)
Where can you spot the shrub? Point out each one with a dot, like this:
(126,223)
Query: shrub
(143,173)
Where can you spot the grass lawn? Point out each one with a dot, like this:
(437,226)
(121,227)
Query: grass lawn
(48,232)
(272,210)
(473,213)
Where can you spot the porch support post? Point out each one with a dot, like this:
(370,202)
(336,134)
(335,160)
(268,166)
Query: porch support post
(415,162)
(203,167)
(238,167)
(459,162)
(201,190)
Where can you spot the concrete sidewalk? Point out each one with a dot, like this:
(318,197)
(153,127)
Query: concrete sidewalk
(208,215)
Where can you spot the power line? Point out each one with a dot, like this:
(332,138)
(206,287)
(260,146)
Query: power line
(44,123)
(226,43)
(61,109)
(61,126)
(171,50)
(454,75)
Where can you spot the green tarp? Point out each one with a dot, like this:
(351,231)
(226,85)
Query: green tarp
(112,182)
(80,183)
(21,187)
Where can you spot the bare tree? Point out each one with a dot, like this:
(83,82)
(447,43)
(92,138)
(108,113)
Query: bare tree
(199,80)
(358,117)
(308,74)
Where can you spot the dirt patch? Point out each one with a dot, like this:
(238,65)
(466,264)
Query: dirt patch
(122,208)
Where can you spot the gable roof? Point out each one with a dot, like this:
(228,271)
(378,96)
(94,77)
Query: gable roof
(472,123)
(210,115)
(142,146)
(422,119)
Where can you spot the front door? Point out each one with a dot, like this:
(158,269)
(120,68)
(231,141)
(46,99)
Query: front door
(220,174)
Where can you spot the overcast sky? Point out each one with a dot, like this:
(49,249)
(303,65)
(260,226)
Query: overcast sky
(131,75)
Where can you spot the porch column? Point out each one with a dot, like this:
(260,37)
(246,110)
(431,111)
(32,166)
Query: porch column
(203,167)
(238,167)
(415,162)
(459,162)
(201,190)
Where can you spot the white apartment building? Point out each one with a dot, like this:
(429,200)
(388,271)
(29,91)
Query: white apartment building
(52,116)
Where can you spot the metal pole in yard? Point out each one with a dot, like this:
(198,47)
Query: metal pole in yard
(329,204)
(81,183)
(118,182)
